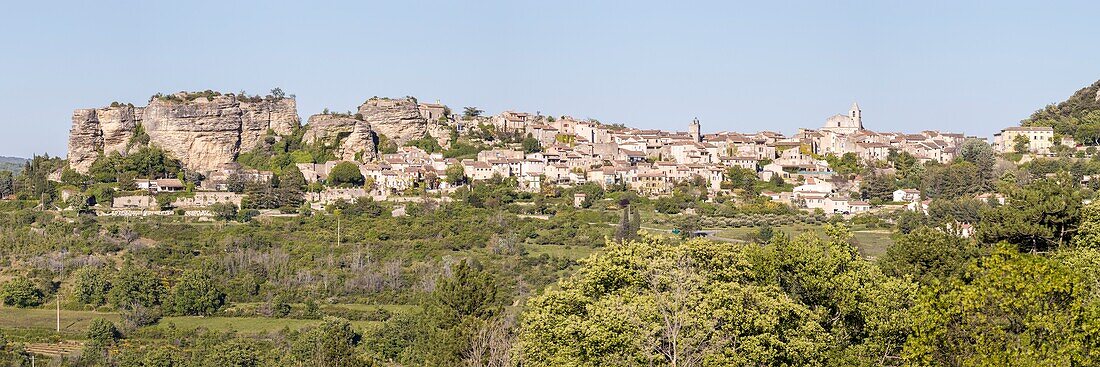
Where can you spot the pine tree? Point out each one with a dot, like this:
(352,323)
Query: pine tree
(635,222)
(622,232)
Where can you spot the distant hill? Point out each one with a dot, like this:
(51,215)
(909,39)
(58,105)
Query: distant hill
(13,164)
(1078,116)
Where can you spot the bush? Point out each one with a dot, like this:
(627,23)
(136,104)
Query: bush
(102,332)
(345,174)
(196,293)
(20,292)
(91,286)
(224,211)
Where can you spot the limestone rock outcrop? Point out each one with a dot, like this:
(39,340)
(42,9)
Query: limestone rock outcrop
(351,137)
(104,130)
(280,116)
(328,127)
(360,145)
(398,119)
(203,132)
(117,125)
(85,139)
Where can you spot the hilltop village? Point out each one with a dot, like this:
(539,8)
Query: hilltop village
(222,229)
(402,149)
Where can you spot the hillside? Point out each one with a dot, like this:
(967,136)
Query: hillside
(1077,116)
(13,164)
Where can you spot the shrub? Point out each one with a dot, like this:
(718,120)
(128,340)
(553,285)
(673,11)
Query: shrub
(102,332)
(196,293)
(345,173)
(91,286)
(20,292)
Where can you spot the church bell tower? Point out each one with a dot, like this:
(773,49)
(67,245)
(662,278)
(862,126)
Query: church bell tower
(857,116)
(694,130)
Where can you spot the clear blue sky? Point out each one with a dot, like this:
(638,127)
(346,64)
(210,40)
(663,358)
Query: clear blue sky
(972,67)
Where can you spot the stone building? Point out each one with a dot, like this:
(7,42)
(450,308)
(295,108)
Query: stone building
(849,124)
(1040,139)
(695,130)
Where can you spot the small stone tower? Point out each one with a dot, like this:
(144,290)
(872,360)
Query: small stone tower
(856,115)
(694,130)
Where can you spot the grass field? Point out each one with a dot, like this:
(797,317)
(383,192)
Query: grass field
(395,309)
(871,243)
(75,323)
(72,322)
(247,325)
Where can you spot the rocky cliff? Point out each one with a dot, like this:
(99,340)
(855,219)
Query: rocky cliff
(202,132)
(349,135)
(398,119)
(205,130)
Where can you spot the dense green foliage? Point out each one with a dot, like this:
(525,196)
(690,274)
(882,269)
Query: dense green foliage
(805,301)
(345,174)
(20,292)
(1078,116)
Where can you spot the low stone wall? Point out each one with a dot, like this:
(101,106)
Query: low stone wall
(133,213)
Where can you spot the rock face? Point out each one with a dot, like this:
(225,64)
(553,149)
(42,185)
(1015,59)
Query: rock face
(281,116)
(117,125)
(397,119)
(103,130)
(360,145)
(203,132)
(85,140)
(327,127)
(350,136)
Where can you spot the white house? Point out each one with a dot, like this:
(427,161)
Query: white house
(906,195)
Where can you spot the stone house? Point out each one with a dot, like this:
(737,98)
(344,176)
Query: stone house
(1040,139)
(168,185)
(433,111)
(906,195)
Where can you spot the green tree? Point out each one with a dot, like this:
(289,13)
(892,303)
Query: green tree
(1039,216)
(951,181)
(980,153)
(135,286)
(928,254)
(235,353)
(1088,233)
(427,143)
(625,230)
(743,179)
(102,332)
(879,187)
(20,292)
(531,145)
(441,333)
(1011,309)
(224,211)
(469,112)
(1020,143)
(332,343)
(845,164)
(197,293)
(91,286)
(345,174)
(688,225)
(7,184)
(454,174)
(655,302)
(162,356)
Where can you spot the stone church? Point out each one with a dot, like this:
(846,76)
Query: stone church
(842,124)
